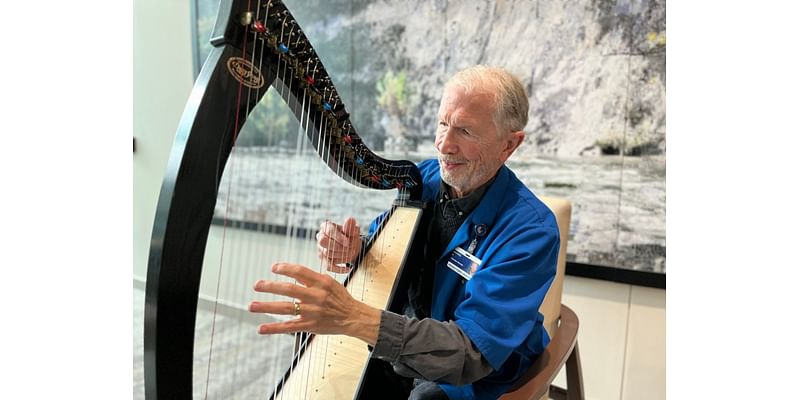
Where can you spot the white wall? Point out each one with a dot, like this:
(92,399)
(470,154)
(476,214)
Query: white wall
(622,335)
(162,80)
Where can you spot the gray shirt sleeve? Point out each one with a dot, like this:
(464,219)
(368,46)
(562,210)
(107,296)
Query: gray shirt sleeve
(428,349)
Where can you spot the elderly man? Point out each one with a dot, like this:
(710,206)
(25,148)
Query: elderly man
(465,334)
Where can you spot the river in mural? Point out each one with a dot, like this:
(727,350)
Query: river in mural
(618,203)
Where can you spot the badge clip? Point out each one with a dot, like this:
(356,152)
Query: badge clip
(480,231)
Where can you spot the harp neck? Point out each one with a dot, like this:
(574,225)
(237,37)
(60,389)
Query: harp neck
(271,34)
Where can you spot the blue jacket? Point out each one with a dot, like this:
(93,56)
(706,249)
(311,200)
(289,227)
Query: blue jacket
(498,307)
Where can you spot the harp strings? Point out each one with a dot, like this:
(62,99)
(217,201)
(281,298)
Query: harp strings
(285,91)
(232,166)
(299,236)
(240,248)
(313,196)
(267,346)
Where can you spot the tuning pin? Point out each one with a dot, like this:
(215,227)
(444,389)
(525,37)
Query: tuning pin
(274,22)
(339,111)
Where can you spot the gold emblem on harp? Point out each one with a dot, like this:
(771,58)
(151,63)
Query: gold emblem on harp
(245,72)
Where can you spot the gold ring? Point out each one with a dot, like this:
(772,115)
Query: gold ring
(296,308)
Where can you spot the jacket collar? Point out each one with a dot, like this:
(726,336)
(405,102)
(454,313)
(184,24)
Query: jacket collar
(485,213)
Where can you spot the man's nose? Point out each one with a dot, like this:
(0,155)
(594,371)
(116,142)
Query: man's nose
(447,143)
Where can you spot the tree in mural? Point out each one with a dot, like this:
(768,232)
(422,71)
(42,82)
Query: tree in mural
(393,98)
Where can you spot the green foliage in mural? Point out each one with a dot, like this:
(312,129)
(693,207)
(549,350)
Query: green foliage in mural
(271,123)
(392,94)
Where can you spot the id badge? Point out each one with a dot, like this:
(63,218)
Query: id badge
(463,263)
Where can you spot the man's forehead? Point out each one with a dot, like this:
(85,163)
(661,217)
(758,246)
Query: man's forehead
(468,97)
(475,90)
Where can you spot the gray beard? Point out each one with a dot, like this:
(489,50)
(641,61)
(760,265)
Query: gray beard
(469,180)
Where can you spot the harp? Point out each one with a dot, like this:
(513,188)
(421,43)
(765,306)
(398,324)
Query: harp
(255,45)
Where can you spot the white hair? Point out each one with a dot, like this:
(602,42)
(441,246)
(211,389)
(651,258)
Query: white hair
(510,99)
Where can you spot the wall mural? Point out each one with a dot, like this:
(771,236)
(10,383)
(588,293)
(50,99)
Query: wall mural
(595,71)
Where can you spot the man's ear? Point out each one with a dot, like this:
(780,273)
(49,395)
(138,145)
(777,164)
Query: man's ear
(511,142)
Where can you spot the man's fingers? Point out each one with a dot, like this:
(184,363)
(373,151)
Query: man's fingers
(338,241)
(282,288)
(335,253)
(350,228)
(302,274)
(342,235)
(290,326)
(336,268)
(272,307)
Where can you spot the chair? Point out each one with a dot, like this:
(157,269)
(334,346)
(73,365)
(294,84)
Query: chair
(561,324)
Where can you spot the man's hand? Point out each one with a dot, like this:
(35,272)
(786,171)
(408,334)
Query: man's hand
(338,244)
(322,306)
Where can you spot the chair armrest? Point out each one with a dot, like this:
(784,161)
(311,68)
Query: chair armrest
(536,381)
